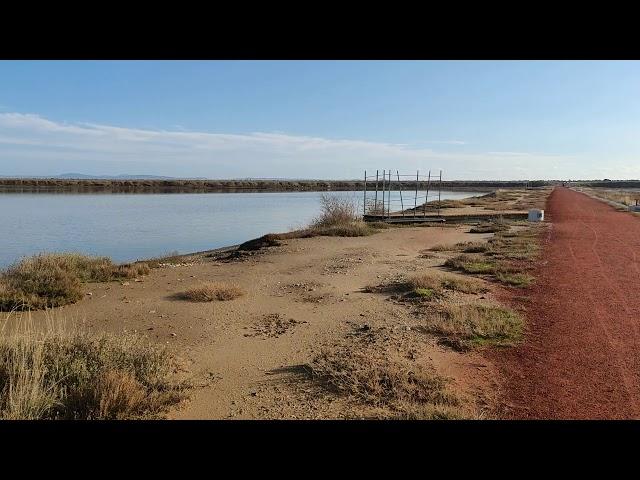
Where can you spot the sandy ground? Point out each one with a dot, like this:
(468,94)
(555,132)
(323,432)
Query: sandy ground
(307,293)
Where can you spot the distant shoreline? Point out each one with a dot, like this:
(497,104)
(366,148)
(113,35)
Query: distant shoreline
(17,185)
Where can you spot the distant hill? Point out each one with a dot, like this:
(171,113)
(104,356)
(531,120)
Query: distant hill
(82,176)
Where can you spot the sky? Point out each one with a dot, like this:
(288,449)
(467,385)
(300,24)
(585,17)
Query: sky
(484,120)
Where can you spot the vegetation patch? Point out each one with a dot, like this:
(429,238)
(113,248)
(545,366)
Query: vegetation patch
(471,325)
(52,280)
(515,279)
(442,248)
(383,379)
(471,264)
(55,375)
(211,291)
(490,227)
(472,247)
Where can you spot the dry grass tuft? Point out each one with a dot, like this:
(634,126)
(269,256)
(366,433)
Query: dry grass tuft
(498,225)
(473,247)
(470,264)
(210,291)
(382,379)
(517,279)
(56,374)
(470,325)
(442,248)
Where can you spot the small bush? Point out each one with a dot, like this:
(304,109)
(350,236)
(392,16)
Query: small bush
(39,282)
(210,291)
(335,211)
(338,218)
(52,280)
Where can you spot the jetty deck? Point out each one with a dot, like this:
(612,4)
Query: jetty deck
(447,215)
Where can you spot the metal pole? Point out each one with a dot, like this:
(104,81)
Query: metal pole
(375,208)
(364,201)
(389,196)
(424,210)
(384,178)
(439,189)
(400,187)
(415,200)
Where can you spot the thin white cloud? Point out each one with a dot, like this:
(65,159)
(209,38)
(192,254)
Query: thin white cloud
(29,141)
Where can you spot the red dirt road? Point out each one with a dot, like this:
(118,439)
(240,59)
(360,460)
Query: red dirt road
(581,357)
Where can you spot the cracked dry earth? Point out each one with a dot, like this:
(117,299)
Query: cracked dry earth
(302,295)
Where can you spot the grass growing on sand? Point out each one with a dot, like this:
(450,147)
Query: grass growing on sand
(469,325)
(339,218)
(514,279)
(59,374)
(490,227)
(210,291)
(409,389)
(51,280)
(471,264)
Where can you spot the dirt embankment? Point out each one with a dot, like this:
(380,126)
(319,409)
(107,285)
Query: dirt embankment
(580,359)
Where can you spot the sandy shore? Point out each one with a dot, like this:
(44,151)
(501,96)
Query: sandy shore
(305,294)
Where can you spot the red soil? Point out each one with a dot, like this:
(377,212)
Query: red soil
(581,356)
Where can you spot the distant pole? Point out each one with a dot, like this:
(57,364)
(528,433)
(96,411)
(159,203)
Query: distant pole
(384,179)
(364,201)
(400,187)
(424,210)
(439,190)
(389,196)
(415,200)
(375,208)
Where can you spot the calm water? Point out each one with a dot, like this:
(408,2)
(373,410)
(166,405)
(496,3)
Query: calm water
(136,226)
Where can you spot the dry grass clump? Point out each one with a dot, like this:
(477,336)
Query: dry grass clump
(429,286)
(70,375)
(490,227)
(382,379)
(210,291)
(521,245)
(517,279)
(52,280)
(442,248)
(439,283)
(471,264)
(473,247)
(470,325)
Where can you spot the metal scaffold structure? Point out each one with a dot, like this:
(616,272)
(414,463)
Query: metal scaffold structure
(391,196)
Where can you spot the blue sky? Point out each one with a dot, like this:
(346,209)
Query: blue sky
(321,119)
